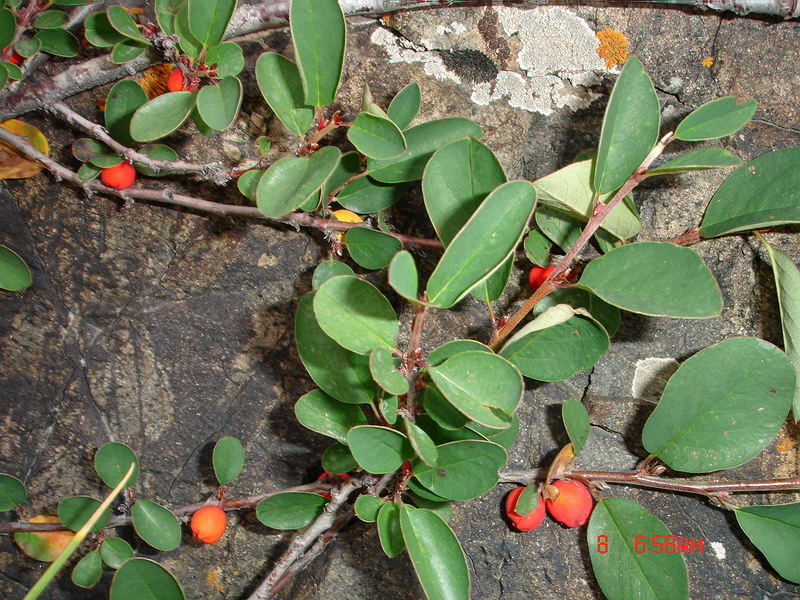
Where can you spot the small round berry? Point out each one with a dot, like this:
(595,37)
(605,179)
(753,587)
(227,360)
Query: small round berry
(208,524)
(538,275)
(523,522)
(573,505)
(176,80)
(16,59)
(119,176)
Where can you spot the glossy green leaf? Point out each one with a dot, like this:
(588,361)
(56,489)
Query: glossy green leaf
(570,190)
(165,14)
(436,555)
(327,269)
(421,442)
(457,178)
(227,57)
(99,32)
(654,278)
(464,469)
(112,461)
(208,19)
(74,511)
(403,277)
(383,367)
(3,76)
(319,35)
(282,87)
(367,507)
(491,288)
(219,104)
(422,141)
(14,72)
(123,22)
(576,422)
(88,571)
(630,128)
(561,228)
(122,102)
(716,119)
(388,408)
(602,311)
(442,509)
(505,437)
(49,19)
(144,579)
(376,137)
(528,500)
(58,42)
(190,45)
(365,195)
(405,105)
(698,160)
(156,152)
(370,248)
(290,510)
(420,491)
(105,161)
(537,248)
(264,144)
(156,525)
(483,244)
(290,181)
(775,531)
(483,386)
(453,347)
(443,413)
(248,183)
(355,314)
(319,412)
(162,115)
(379,449)
(787,282)
(8,27)
(389,533)
(762,193)
(88,172)
(228,459)
(558,352)
(27,48)
(126,51)
(115,551)
(339,372)
(722,406)
(338,459)
(14,273)
(622,572)
(12,492)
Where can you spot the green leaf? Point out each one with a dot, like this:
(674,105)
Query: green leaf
(282,87)
(365,195)
(290,510)
(105,161)
(722,406)
(340,373)
(504,437)
(14,72)
(775,531)
(27,48)
(8,27)
(376,137)
(121,20)
(388,407)
(290,181)
(84,149)
(264,144)
(528,500)
(99,32)
(442,509)
(436,555)
(787,282)
(621,571)
(49,19)
(74,511)
(422,141)
(370,248)
(537,248)
(557,352)
(378,449)
(155,525)
(319,35)
(483,386)
(219,104)
(165,14)
(654,278)
(444,414)
(457,179)
(122,102)
(208,19)
(3,76)
(14,273)
(338,459)
(227,57)
(327,269)
(453,347)
(355,314)
(126,51)
(389,533)
(144,579)
(248,183)
(88,171)
(405,106)
(228,459)
(483,244)
(421,442)
(762,193)
(606,314)
(319,412)
(115,551)
(403,277)
(156,152)
(630,128)
(698,160)
(162,115)
(383,367)
(576,422)
(367,507)
(491,288)
(12,492)
(464,469)
(88,571)
(716,119)
(58,42)
(190,45)
(112,461)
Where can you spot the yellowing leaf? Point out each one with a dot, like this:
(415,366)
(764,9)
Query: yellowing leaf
(12,164)
(43,546)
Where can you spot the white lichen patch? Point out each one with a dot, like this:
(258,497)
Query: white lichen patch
(651,377)
(719,550)
(431,61)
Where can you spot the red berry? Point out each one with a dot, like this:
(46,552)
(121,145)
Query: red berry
(119,176)
(16,59)
(176,80)
(208,524)
(573,505)
(523,522)
(538,275)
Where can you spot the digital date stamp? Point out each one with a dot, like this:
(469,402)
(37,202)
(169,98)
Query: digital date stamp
(657,544)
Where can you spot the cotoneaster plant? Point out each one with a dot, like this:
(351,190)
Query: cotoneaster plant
(415,428)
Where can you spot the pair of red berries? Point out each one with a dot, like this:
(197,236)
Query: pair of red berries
(572,507)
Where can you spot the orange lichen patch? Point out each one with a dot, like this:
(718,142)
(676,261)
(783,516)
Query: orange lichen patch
(707,62)
(213,580)
(613,47)
(153,81)
(784,445)
(134,10)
